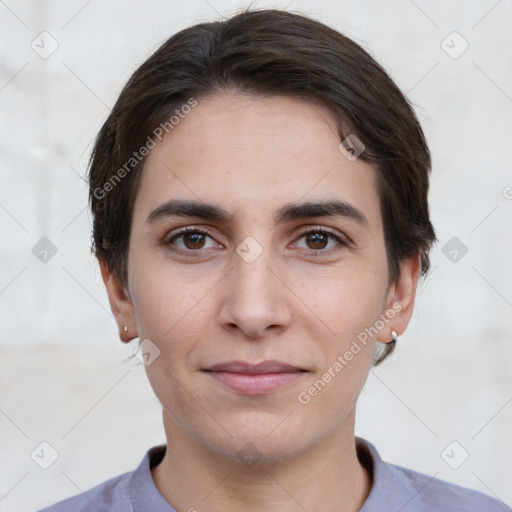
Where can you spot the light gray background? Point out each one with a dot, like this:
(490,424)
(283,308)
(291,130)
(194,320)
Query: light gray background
(63,375)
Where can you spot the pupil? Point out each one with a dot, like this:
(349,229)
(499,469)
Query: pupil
(195,239)
(318,239)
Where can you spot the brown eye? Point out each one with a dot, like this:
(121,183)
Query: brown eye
(317,240)
(321,240)
(191,240)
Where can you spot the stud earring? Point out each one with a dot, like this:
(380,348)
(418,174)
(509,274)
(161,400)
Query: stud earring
(125,328)
(394,336)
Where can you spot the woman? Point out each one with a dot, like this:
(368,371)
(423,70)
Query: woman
(259,196)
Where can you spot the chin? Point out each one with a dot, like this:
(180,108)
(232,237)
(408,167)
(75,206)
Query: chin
(263,439)
(250,451)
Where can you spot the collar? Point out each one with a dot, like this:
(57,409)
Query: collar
(391,489)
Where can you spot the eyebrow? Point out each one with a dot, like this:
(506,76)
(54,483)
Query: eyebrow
(288,212)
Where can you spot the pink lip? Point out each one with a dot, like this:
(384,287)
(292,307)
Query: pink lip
(254,379)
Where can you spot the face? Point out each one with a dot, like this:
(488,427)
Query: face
(254,304)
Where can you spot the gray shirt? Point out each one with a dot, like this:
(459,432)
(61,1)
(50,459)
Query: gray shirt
(394,489)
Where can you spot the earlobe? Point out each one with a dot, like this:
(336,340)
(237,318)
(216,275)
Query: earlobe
(120,303)
(400,300)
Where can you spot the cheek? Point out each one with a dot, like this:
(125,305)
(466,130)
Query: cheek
(167,301)
(349,307)
(173,310)
(168,308)
(345,300)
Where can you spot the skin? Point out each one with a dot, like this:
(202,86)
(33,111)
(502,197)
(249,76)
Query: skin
(298,302)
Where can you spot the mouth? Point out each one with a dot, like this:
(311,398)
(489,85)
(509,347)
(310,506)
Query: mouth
(254,379)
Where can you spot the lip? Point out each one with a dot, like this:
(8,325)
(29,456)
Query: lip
(254,379)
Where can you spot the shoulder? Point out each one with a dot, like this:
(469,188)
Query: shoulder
(110,495)
(396,488)
(441,496)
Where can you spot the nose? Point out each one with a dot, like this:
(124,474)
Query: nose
(256,300)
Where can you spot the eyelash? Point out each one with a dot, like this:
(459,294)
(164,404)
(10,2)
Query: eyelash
(312,252)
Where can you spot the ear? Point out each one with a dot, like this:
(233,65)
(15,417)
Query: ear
(400,298)
(120,303)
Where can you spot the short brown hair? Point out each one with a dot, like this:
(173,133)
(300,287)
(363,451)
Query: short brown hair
(267,52)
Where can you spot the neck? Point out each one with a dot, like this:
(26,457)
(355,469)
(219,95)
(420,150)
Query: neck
(326,477)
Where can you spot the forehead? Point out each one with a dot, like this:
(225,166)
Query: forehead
(254,153)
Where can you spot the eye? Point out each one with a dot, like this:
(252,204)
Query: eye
(321,239)
(317,240)
(191,239)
